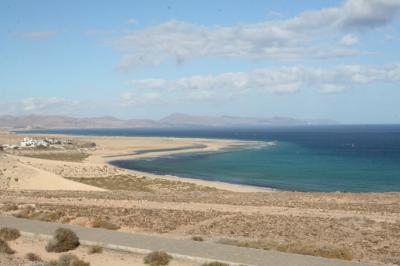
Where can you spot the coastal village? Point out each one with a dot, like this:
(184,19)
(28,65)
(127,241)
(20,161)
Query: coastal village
(44,143)
(34,143)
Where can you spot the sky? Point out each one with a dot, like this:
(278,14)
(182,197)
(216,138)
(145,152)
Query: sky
(147,59)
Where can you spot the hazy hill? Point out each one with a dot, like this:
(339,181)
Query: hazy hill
(36,121)
(173,120)
(180,119)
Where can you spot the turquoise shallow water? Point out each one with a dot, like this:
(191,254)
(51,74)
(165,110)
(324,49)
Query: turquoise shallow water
(283,166)
(340,158)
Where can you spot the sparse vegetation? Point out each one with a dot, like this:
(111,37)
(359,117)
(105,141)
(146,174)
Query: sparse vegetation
(71,260)
(9,207)
(358,231)
(94,250)
(215,263)
(197,238)
(58,156)
(42,263)
(32,257)
(30,213)
(143,184)
(99,223)
(5,248)
(157,258)
(25,212)
(297,248)
(392,260)
(8,234)
(87,145)
(63,240)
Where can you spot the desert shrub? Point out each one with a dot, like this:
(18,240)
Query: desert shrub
(215,263)
(42,263)
(392,260)
(99,223)
(94,249)
(63,240)
(46,216)
(87,145)
(7,233)
(59,156)
(157,258)
(5,248)
(197,238)
(326,251)
(32,257)
(71,260)
(9,207)
(26,212)
(332,252)
(30,213)
(53,263)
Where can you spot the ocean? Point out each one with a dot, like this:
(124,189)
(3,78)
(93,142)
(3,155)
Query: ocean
(311,158)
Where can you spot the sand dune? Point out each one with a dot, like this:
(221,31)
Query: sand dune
(20,174)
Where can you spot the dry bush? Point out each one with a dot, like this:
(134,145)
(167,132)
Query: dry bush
(392,260)
(53,262)
(94,249)
(5,248)
(99,223)
(157,258)
(319,251)
(30,213)
(58,156)
(297,248)
(41,263)
(63,240)
(215,263)
(32,257)
(197,238)
(71,260)
(26,212)
(9,207)
(135,183)
(327,252)
(46,216)
(8,234)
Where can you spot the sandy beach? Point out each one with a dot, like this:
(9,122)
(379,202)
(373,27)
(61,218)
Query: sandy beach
(78,186)
(108,149)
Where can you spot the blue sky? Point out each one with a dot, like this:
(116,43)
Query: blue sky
(147,59)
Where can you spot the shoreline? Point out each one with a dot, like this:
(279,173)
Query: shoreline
(203,182)
(231,186)
(189,150)
(363,225)
(112,148)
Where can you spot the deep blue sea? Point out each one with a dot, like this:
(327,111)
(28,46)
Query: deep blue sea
(312,158)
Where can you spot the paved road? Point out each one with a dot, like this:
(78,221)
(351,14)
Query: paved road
(187,249)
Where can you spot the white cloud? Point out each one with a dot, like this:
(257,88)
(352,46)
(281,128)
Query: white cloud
(51,105)
(37,35)
(95,32)
(391,37)
(363,14)
(332,88)
(348,40)
(280,80)
(132,22)
(130,98)
(306,35)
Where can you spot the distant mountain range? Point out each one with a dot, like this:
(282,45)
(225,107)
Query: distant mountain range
(173,120)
